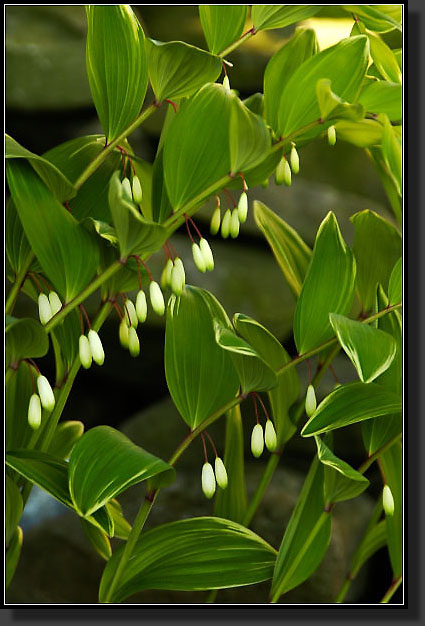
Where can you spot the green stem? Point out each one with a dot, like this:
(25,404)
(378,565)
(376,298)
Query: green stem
(366,464)
(92,167)
(237,43)
(392,589)
(60,367)
(137,528)
(19,281)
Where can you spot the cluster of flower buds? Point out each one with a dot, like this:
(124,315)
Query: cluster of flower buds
(174,276)
(45,398)
(232,219)
(132,191)
(286,168)
(212,476)
(203,256)
(258,438)
(331,135)
(48,306)
(90,349)
(310,401)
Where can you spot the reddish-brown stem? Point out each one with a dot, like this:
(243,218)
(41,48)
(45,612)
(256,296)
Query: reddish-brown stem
(229,195)
(118,310)
(212,443)
(244,185)
(173,104)
(205,448)
(81,321)
(198,232)
(35,281)
(85,315)
(32,375)
(139,260)
(187,228)
(255,406)
(126,308)
(262,404)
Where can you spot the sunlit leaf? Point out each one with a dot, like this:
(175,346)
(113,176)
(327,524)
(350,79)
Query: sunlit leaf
(395,286)
(361,133)
(266,16)
(380,18)
(384,59)
(332,107)
(383,97)
(222,24)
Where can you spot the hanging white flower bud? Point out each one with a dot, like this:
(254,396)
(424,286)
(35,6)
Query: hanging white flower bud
(46,393)
(215,221)
(294,160)
(178,277)
(137,190)
(226,83)
(257,441)
(34,412)
(198,258)
(331,135)
(131,312)
(55,303)
(44,308)
(243,207)
(208,480)
(283,173)
(123,333)
(157,299)
(220,473)
(270,436)
(85,352)
(133,342)
(141,306)
(96,347)
(225,224)
(207,254)
(126,189)
(310,401)
(166,274)
(387,500)
(234,224)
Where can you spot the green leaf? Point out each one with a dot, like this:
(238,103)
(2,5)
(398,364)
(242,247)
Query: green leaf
(144,174)
(135,233)
(254,373)
(374,540)
(332,107)
(349,404)
(362,133)
(275,355)
(192,555)
(177,69)
(26,338)
(13,509)
(56,181)
(116,65)
(327,288)
(103,463)
(72,158)
(382,19)
(392,464)
(387,181)
(18,392)
(64,249)
(12,555)
(377,247)
(369,349)
(255,103)
(395,285)
(98,539)
(391,150)
(291,252)
(383,97)
(67,335)
(343,64)
(300,47)
(196,149)
(384,59)
(64,438)
(17,246)
(222,24)
(161,206)
(200,375)
(231,503)
(249,137)
(121,527)
(266,16)
(306,537)
(346,483)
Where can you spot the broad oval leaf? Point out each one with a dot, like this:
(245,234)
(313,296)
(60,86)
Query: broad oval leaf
(26,338)
(383,97)
(104,462)
(377,246)
(332,107)
(56,181)
(369,349)
(328,287)
(192,555)
(196,148)
(249,138)
(18,248)
(395,285)
(254,373)
(222,24)
(306,537)
(177,69)
(266,16)
(98,539)
(361,133)
(66,252)
(64,438)
(300,47)
(343,64)
(291,252)
(116,65)
(384,59)
(351,403)
(275,355)
(18,392)
(200,375)
(13,509)
(380,18)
